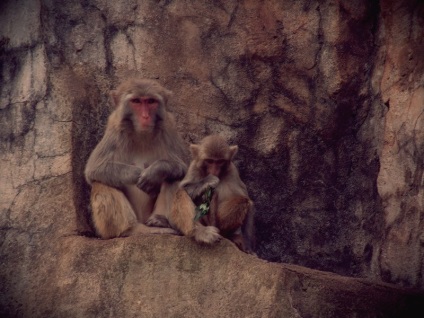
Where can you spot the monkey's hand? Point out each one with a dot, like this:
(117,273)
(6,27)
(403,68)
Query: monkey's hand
(152,177)
(149,182)
(210,181)
(128,173)
(196,189)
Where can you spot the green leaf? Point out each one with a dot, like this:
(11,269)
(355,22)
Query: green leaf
(203,208)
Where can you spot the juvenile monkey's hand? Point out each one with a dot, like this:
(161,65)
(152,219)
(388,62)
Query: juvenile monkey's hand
(210,181)
(196,189)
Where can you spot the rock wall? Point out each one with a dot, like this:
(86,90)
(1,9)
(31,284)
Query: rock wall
(400,179)
(325,100)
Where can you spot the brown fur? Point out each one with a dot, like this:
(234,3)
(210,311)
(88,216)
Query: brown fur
(182,218)
(231,210)
(231,213)
(113,213)
(134,169)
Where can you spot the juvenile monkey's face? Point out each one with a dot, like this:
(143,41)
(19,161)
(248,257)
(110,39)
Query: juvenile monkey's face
(145,110)
(214,167)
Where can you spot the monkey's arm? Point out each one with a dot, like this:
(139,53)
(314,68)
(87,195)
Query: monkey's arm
(108,163)
(196,188)
(162,170)
(114,174)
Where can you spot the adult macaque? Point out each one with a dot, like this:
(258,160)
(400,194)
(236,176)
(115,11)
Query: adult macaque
(133,171)
(230,212)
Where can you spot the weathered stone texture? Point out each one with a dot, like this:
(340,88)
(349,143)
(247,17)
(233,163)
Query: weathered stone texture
(400,181)
(144,277)
(325,100)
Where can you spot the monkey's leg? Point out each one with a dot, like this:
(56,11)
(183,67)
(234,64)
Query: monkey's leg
(237,239)
(235,221)
(113,215)
(248,232)
(163,206)
(182,218)
(111,211)
(231,213)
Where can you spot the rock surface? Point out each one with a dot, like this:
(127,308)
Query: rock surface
(325,100)
(165,276)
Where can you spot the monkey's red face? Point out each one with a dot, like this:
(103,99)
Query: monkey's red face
(215,167)
(145,109)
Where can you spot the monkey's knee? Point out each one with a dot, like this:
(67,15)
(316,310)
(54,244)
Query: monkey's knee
(111,212)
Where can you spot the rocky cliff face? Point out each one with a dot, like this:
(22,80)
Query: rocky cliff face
(325,100)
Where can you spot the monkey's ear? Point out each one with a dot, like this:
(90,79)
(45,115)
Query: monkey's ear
(114,96)
(194,149)
(233,151)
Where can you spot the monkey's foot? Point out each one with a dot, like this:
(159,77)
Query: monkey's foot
(163,230)
(158,220)
(143,229)
(206,234)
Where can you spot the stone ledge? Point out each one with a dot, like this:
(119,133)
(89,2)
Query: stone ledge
(169,276)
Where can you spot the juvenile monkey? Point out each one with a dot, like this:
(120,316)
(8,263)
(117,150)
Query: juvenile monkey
(231,210)
(133,171)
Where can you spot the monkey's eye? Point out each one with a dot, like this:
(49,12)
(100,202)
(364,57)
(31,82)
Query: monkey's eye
(220,162)
(136,100)
(209,161)
(151,101)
